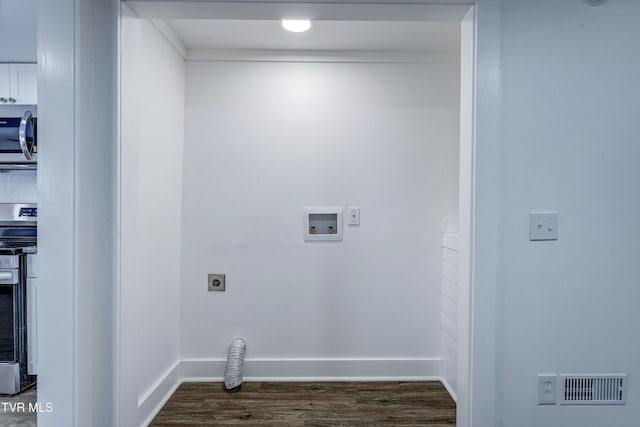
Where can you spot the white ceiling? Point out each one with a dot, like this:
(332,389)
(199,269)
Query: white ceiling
(324,35)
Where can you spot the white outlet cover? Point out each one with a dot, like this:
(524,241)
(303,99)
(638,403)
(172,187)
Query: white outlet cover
(354,216)
(547,389)
(543,226)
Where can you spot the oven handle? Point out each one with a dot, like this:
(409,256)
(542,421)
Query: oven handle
(8,277)
(22,135)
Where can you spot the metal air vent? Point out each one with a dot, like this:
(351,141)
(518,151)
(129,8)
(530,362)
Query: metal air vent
(593,389)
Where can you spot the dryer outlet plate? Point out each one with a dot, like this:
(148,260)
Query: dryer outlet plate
(216,282)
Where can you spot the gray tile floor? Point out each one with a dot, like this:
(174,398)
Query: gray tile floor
(20,415)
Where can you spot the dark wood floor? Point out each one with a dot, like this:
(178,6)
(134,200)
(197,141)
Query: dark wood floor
(311,404)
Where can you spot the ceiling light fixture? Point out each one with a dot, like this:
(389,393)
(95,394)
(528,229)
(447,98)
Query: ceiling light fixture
(296,25)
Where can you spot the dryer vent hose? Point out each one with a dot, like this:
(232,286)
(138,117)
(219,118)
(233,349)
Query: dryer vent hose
(233,369)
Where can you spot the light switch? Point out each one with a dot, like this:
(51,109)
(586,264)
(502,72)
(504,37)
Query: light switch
(543,226)
(354,216)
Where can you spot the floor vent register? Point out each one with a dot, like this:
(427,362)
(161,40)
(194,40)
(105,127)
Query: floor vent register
(593,389)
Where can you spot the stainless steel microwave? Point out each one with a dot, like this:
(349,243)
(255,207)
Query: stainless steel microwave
(18,141)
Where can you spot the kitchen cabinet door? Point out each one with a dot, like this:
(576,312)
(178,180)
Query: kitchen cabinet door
(24,83)
(5,86)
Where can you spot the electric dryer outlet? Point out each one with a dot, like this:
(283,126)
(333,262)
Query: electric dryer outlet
(216,282)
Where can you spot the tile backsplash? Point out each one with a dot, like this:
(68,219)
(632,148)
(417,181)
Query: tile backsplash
(18,187)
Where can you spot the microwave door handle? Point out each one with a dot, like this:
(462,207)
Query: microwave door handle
(22,135)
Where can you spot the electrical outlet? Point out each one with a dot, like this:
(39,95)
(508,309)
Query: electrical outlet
(216,282)
(354,216)
(543,226)
(547,389)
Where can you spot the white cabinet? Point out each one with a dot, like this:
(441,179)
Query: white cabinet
(5,86)
(18,84)
(24,83)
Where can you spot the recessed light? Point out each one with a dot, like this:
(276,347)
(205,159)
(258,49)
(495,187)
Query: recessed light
(296,25)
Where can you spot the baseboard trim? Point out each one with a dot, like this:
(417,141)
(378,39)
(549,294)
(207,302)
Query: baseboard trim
(150,402)
(452,393)
(318,369)
(195,370)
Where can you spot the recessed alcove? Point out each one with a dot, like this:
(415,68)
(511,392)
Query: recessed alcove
(322,224)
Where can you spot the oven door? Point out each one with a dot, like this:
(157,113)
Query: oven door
(9,321)
(9,331)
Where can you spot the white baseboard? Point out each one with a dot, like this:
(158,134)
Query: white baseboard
(317,370)
(450,389)
(150,402)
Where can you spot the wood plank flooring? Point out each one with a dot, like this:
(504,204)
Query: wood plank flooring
(311,404)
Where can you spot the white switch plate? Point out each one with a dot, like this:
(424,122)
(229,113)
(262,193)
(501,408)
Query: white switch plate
(354,216)
(547,389)
(543,226)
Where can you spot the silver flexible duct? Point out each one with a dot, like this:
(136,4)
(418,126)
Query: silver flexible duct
(233,369)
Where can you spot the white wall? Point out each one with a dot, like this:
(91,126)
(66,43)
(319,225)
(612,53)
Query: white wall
(570,143)
(152,91)
(264,140)
(18,30)
(95,225)
(77,212)
(468,85)
(56,182)
(450,310)
(534,36)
